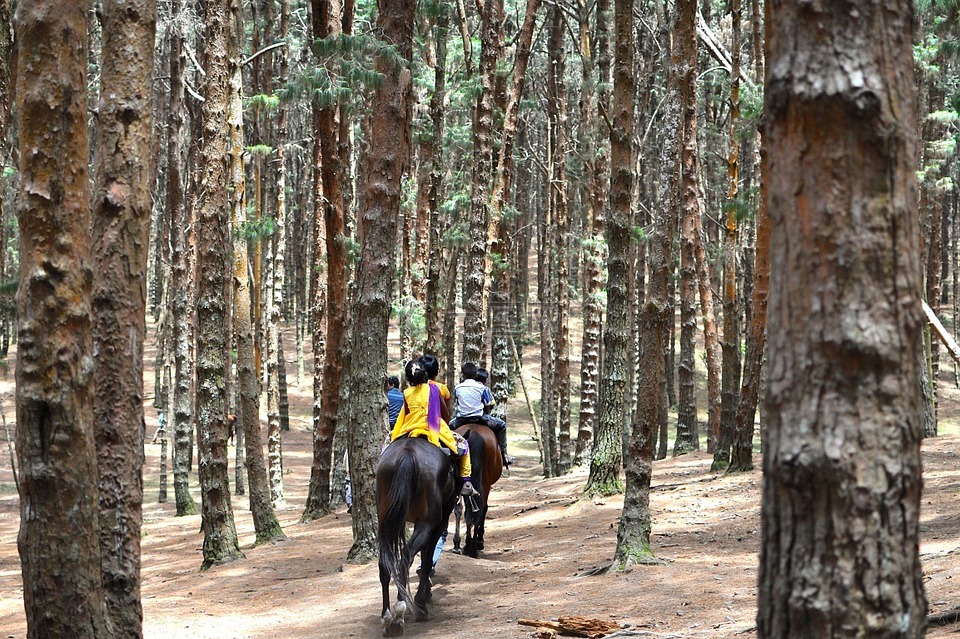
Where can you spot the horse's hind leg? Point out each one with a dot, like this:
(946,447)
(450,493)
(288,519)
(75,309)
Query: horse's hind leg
(478,530)
(470,545)
(385,587)
(423,541)
(391,618)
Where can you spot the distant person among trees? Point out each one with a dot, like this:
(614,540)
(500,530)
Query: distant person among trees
(473,401)
(394,399)
(421,416)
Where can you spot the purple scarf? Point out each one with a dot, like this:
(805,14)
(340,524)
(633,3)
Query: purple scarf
(433,408)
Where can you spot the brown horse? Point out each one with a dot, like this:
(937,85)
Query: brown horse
(416,483)
(487,466)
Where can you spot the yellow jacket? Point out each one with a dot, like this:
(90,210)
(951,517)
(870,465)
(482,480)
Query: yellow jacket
(412,421)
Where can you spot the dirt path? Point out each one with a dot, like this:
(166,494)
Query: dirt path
(541,542)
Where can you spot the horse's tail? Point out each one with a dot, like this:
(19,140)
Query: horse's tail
(391,531)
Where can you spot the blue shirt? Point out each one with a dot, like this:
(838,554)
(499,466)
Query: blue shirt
(395,399)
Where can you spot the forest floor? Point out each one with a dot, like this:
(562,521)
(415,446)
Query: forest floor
(542,542)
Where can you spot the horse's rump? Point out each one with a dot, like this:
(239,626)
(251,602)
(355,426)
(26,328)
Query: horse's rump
(415,483)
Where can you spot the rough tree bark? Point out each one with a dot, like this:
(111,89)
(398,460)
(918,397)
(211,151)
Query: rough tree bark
(499,227)
(656,325)
(604,478)
(222,53)
(731,313)
(491,51)
(276,374)
(557,111)
(121,236)
(741,448)
(326,23)
(59,525)
(265,524)
(432,295)
(685,42)
(594,250)
(362,402)
(841,461)
(181,284)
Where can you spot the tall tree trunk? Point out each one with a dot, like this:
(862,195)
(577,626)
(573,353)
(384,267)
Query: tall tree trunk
(607,460)
(429,146)
(181,284)
(499,229)
(404,295)
(685,39)
(633,534)
(593,253)
(711,344)
(384,160)
(731,314)
(557,111)
(277,270)
(741,450)
(330,209)
(265,523)
(449,325)
(842,454)
(56,450)
(432,307)
(934,251)
(491,51)
(222,54)
(546,295)
(121,235)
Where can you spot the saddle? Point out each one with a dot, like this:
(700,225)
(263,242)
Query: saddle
(470,419)
(446,451)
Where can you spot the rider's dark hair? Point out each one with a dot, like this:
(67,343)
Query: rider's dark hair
(393,381)
(416,373)
(468,370)
(431,364)
(482,375)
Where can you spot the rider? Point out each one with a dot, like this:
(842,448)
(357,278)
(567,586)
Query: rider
(432,366)
(473,397)
(421,417)
(394,399)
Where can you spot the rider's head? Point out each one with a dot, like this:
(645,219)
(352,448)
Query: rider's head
(468,370)
(393,382)
(431,364)
(415,373)
(482,375)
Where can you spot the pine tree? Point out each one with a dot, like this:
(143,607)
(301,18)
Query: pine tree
(841,459)
(121,235)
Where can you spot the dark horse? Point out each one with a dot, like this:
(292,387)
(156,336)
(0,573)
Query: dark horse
(415,483)
(487,466)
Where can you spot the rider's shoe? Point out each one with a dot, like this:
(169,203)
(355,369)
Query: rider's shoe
(468,490)
(509,460)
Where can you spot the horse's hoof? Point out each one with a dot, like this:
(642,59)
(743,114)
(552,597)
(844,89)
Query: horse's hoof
(457,551)
(392,620)
(479,545)
(422,616)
